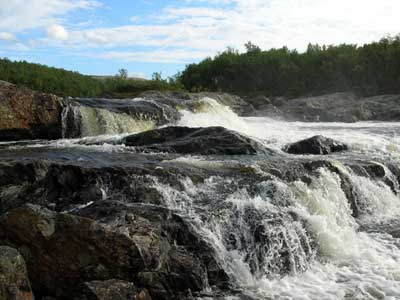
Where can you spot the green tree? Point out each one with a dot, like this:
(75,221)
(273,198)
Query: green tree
(123,73)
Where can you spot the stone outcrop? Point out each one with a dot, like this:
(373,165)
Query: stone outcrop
(14,281)
(336,107)
(26,114)
(317,145)
(201,141)
(148,245)
(112,290)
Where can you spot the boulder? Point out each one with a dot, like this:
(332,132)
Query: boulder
(146,244)
(200,141)
(316,145)
(112,290)
(176,258)
(26,114)
(64,251)
(14,282)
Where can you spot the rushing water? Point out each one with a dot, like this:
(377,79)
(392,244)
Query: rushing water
(277,239)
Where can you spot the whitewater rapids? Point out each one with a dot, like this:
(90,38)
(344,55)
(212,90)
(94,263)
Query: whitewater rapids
(350,264)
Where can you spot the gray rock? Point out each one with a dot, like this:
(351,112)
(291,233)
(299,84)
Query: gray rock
(316,145)
(336,107)
(112,290)
(14,282)
(201,141)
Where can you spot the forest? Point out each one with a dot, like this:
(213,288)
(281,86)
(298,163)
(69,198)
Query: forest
(367,70)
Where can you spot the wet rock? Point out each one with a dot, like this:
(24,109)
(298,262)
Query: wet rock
(336,107)
(64,251)
(64,187)
(26,114)
(112,290)
(176,258)
(316,145)
(14,282)
(201,141)
(147,244)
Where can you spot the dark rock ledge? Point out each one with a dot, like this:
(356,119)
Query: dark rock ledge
(200,141)
(318,145)
(134,243)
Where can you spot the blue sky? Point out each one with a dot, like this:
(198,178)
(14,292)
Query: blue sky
(144,36)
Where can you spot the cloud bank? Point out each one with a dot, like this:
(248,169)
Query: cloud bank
(196,29)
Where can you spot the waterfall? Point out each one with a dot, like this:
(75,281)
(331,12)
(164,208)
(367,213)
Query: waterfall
(92,117)
(295,240)
(81,121)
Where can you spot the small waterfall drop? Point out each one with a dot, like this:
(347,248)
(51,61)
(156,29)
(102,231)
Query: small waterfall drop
(295,240)
(82,121)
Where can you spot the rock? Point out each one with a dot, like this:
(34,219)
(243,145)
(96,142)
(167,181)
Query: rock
(258,101)
(26,114)
(112,290)
(14,282)
(176,258)
(316,145)
(336,107)
(108,240)
(64,251)
(201,141)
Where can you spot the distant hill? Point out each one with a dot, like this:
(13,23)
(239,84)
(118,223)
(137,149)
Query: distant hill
(105,77)
(67,83)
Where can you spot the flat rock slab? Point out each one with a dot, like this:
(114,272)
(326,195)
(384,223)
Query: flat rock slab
(200,141)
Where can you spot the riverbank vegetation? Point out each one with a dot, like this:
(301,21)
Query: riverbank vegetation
(368,70)
(66,83)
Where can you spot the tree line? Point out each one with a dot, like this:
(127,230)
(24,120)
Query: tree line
(368,70)
(66,83)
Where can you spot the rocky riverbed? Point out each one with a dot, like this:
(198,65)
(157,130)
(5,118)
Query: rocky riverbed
(178,197)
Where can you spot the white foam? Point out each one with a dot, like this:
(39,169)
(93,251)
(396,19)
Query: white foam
(373,138)
(349,265)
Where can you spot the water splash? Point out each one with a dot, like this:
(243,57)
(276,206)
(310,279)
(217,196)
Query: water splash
(295,240)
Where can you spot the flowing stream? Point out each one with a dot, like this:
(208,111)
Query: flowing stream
(277,239)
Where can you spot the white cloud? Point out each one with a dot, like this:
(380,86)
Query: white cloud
(158,56)
(20,15)
(272,23)
(7,37)
(199,28)
(57,32)
(135,19)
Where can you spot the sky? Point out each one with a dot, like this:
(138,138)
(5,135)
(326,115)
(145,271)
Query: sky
(98,37)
